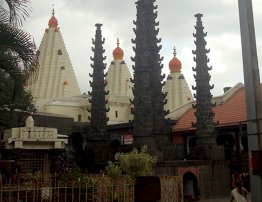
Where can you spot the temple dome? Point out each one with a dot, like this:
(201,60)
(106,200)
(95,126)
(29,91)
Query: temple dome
(53,21)
(118,53)
(175,64)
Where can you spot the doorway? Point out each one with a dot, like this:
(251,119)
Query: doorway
(190,187)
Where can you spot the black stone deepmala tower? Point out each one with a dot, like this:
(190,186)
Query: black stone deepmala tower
(160,126)
(98,101)
(148,100)
(205,144)
(96,142)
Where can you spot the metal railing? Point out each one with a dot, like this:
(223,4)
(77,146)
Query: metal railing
(95,189)
(76,192)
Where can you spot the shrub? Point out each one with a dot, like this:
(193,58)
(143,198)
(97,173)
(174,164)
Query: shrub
(113,171)
(137,163)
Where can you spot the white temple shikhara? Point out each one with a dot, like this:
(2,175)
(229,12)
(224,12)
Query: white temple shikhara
(119,87)
(56,89)
(178,92)
(56,77)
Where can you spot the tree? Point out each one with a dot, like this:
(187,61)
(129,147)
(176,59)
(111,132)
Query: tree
(18,60)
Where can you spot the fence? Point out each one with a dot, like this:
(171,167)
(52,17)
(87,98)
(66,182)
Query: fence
(92,189)
(67,194)
(171,189)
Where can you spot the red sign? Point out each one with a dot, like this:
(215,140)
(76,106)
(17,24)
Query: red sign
(128,138)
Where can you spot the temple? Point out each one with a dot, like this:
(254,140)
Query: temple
(176,87)
(127,111)
(56,77)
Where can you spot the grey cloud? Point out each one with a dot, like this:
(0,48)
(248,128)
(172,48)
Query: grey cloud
(77,18)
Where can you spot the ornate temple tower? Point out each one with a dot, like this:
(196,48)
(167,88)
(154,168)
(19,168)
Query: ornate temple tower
(148,97)
(98,102)
(176,87)
(206,143)
(56,77)
(119,87)
(118,75)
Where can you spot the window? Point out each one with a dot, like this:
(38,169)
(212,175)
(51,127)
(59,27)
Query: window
(79,118)
(116,114)
(59,52)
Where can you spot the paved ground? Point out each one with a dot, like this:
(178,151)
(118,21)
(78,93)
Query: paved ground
(222,199)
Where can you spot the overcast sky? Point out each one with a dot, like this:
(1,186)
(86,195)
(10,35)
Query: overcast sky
(77,20)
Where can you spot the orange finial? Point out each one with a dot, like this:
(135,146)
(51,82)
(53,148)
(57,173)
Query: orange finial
(53,21)
(118,53)
(175,64)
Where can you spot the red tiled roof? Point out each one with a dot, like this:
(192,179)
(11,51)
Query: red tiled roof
(232,111)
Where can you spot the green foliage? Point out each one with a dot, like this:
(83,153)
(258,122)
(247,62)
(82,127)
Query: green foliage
(18,60)
(33,176)
(137,163)
(74,174)
(15,12)
(113,171)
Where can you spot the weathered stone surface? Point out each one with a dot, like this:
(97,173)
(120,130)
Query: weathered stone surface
(98,101)
(149,99)
(205,147)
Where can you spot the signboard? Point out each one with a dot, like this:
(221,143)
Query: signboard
(128,138)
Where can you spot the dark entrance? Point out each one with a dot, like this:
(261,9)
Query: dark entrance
(228,141)
(115,147)
(190,187)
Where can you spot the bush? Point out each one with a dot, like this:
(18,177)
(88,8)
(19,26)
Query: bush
(113,171)
(137,163)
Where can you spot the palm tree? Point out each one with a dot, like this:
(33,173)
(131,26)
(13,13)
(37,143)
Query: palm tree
(18,58)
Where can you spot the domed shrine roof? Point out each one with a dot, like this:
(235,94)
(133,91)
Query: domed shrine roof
(175,64)
(118,53)
(53,21)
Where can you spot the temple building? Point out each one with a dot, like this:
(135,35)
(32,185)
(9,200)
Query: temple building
(56,77)
(56,89)
(176,87)
(119,87)
(212,148)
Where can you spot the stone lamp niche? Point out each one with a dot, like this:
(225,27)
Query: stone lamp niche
(32,137)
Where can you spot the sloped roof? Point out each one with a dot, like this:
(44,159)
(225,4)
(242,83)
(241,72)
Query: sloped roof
(231,111)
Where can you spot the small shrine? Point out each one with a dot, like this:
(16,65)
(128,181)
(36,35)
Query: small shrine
(34,149)
(32,137)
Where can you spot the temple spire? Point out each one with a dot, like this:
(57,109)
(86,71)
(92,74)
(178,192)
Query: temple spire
(117,43)
(56,77)
(174,53)
(53,10)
